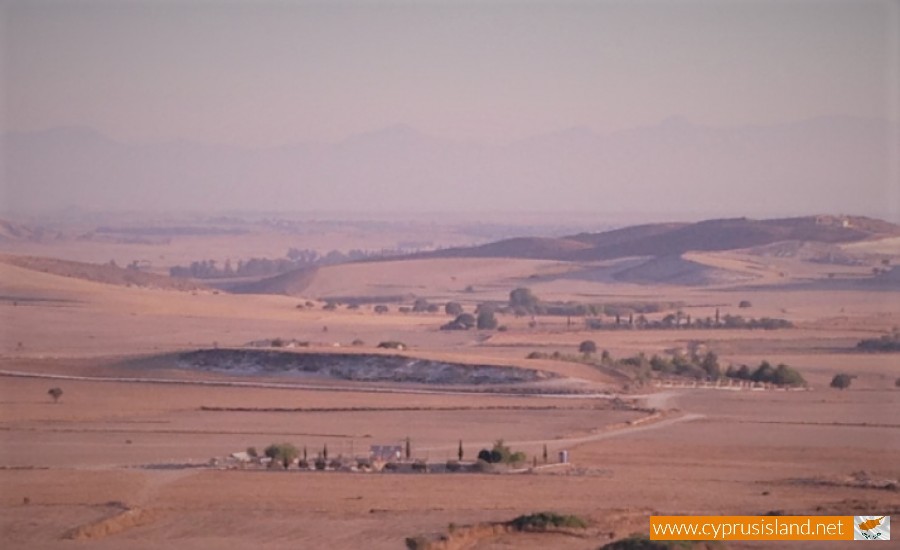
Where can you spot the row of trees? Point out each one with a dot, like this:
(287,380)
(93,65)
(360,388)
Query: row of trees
(501,454)
(680,320)
(695,364)
(485,320)
(267,267)
(887,342)
(843,380)
(707,366)
(782,375)
(522,301)
(286,454)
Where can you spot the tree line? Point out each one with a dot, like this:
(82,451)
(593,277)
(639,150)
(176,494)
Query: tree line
(886,342)
(694,364)
(268,267)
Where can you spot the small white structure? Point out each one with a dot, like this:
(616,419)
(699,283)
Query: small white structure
(386,452)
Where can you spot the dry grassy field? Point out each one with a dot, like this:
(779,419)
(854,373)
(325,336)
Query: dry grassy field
(123,459)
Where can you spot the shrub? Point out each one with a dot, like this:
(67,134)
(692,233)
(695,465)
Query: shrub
(543,521)
(463,321)
(380,309)
(357,343)
(661,364)
(786,376)
(486,321)
(745,304)
(285,453)
(588,347)
(392,344)
(841,381)
(420,305)
(500,453)
(453,308)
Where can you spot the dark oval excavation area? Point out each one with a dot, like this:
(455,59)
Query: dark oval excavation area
(353,366)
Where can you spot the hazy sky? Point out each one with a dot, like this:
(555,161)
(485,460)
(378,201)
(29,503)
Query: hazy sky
(198,98)
(264,73)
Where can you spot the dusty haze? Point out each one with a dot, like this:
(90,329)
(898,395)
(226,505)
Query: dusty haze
(757,108)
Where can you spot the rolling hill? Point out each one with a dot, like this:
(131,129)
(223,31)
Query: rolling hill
(666,253)
(100,273)
(10,231)
(668,239)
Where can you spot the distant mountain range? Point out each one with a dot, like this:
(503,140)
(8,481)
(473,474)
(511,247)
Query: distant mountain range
(822,164)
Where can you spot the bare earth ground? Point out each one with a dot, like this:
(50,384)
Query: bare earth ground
(108,445)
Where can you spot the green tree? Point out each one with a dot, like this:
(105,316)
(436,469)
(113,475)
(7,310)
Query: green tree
(763,373)
(282,452)
(486,320)
(523,298)
(841,381)
(465,320)
(502,453)
(453,308)
(786,376)
(588,347)
(55,393)
(710,364)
